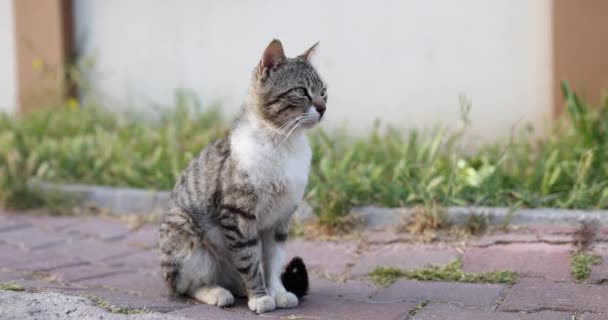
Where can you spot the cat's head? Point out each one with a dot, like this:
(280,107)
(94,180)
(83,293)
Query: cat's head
(288,92)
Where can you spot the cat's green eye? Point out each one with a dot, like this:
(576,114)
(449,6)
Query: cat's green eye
(323,92)
(301,91)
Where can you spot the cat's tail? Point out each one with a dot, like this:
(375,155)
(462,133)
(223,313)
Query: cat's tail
(295,277)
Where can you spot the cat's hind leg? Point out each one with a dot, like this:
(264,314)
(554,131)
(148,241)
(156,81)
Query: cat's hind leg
(188,263)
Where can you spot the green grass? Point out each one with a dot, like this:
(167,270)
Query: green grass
(11,286)
(418,308)
(452,271)
(581,263)
(566,168)
(93,146)
(114,309)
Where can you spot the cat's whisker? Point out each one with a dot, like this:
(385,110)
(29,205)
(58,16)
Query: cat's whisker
(298,124)
(287,127)
(288,123)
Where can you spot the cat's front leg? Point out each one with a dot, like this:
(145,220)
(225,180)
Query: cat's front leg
(246,250)
(274,255)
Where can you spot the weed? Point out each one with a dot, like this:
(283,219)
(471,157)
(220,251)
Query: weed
(476,224)
(11,286)
(99,302)
(424,219)
(585,235)
(418,308)
(581,263)
(451,272)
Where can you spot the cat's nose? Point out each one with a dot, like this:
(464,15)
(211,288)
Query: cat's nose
(320,106)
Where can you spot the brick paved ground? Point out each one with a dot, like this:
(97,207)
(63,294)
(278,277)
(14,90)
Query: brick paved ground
(104,258)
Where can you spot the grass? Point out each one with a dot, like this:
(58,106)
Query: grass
(114,309)
(93,146)
(87,144)
(11,286)
(452,271)
(581,263)
(418,308)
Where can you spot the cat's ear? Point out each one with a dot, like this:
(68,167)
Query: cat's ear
(272,57)
(308,53)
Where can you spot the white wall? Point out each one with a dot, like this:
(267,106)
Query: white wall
(8,63)
(405,62)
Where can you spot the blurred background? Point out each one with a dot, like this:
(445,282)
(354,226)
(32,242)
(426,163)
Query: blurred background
(403,62)
(435,102)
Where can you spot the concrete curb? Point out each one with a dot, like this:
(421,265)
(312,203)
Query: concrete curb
(375,217)
(137,201)
(127,201)
(114,199)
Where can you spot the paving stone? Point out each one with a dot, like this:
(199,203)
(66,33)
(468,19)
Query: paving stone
(468,294)
(387,237)
(400,255)
(326,256)
(46,262)
(124,300)
(451,312)
(10,222)
(8,275)
(530,259)
(536,294)
(503,238)
(104,229)
(553,229)
(131,282)
(349,290)
(85,271)
(331,308)
(32,238)
(93,250)
(53,223)
(508,238)
(40,260)
(145,237)
(203,311)
(557,238)
(11,255)
(143,260)
(588,316)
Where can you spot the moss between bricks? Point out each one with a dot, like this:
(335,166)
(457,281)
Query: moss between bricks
(114,309)
(418,308)
(452,271)
(11,286)
(581,263)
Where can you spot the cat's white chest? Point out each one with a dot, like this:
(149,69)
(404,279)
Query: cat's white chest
(279,175)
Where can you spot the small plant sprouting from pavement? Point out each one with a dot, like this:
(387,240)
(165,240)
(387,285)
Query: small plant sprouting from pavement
(452,271)
(585,235)
(11,286)
(476,224)
(424,219)
(114,309)
(581,263)
(418,308)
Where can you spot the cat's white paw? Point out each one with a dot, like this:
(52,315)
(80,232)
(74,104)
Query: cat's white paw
(285,300)
(216,296)
(261,304)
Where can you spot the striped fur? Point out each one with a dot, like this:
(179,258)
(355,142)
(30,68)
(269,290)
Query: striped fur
(226,224)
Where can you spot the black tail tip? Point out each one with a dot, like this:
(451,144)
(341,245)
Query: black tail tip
(295,277)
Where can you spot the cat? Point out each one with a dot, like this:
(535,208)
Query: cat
(224,231)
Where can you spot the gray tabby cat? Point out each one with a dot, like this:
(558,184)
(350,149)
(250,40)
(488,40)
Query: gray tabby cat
(225,229)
